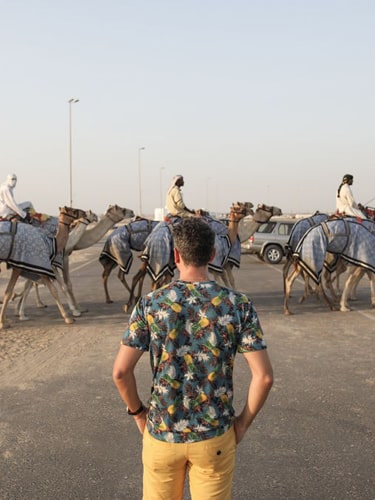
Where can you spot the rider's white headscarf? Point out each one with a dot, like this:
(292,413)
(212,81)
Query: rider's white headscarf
(174,180)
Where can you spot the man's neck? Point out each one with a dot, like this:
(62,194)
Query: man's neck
(192,273)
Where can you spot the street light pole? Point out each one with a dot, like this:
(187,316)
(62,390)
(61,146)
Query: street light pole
(71,101)
(139,181)
(161,188)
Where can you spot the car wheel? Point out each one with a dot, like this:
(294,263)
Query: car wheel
(273,254)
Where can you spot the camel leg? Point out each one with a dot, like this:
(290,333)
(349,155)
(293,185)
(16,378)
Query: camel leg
(20,311)
(307,288)
(371,277)
(353,292)
(39,302)
(137,280)
(351,285)
(327,300)
(327,277)
(51,287)
(122,277)
(4,323)
(74,306)
(344,304)
(289,279)
(107,269)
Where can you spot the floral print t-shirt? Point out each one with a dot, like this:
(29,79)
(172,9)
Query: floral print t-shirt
(193,331)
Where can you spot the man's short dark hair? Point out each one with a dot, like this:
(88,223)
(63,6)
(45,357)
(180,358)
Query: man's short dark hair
(195,240)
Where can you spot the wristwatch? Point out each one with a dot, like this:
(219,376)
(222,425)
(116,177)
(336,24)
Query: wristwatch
(136,412)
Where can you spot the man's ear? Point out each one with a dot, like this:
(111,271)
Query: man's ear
(213,255)
(177,257)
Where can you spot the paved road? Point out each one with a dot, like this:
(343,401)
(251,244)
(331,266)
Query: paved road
(64,433)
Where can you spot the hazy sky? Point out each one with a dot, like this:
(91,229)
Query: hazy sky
(262,101)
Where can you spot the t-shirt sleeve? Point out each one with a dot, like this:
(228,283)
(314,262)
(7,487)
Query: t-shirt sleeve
(251,336)
(137,334)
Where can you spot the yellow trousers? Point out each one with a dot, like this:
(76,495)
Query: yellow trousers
(209,463)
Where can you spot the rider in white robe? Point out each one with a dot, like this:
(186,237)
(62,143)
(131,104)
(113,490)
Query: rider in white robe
(8,205)
(345,202)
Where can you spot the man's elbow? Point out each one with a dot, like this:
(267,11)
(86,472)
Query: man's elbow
(265,380)
(119,375)
(268,381)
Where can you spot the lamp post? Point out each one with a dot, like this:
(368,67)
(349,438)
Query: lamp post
(139,181)
(161,188)
(70,102)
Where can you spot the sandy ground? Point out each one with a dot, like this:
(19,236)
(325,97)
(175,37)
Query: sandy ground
(64,432)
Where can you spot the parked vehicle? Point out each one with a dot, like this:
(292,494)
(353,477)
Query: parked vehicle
(270,239)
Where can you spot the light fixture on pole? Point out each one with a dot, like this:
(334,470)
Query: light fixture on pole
(71,101)
(139,181)
(161,188)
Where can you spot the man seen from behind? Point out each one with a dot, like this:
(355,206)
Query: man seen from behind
(193,328)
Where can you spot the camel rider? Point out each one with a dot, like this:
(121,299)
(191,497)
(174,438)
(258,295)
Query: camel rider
(345,203)
(10,209)
(174,201)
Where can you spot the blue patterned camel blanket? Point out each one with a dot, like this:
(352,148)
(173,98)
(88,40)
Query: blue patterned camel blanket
(158,251)
(49,226)
(120,243)
(27,248)
(300,228)
(223,245)
(234,256)
(346,237)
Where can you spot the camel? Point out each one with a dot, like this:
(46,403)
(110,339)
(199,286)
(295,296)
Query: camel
(262,214)
(292,270)
(157,259)
(334,266)
(112,216)
(346,237)
(298,230)
(78,228)
(87,238)
(117,250)
(27,250)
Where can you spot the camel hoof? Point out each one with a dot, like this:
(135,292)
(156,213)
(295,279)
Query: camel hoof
(288,313)
(76,313)
(41,306)
(24,318)
(109,301)
(345,309)
(69,321)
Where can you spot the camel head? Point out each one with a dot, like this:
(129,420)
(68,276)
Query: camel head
(117,213)
(68,214)
(87,219)
(264,212)
(240,210)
